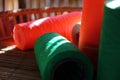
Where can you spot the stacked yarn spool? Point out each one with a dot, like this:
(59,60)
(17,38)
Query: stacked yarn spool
(25,34)
(59,59)
(109,55)
(90,30)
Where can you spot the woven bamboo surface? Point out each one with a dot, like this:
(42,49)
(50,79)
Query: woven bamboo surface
(16,64)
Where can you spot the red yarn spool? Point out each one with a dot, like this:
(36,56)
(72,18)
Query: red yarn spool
(90,30)
(25,34)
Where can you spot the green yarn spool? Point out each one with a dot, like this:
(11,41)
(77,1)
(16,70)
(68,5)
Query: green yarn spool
(109,54)
(58,59)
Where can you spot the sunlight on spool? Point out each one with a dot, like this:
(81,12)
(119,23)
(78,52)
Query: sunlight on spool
(79,23)
(1,52)
(58,44)
(8,48)
(114,4)
(38,22)
(54,40)
(54,43)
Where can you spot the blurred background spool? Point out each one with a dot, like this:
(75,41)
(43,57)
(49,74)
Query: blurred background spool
(58,59)
(92,14)
(25,34)
(109,54)
(75,33)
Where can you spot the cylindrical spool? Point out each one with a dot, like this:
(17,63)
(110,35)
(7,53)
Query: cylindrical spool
(91,23)
(25,34)
(109,52)
(58,59)
(75,34)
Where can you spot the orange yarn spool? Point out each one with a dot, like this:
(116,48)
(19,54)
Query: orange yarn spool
(91,27)
(25,34)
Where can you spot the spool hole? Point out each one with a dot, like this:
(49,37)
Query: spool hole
(69,70)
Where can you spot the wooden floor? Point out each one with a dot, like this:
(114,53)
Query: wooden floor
(16,64)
